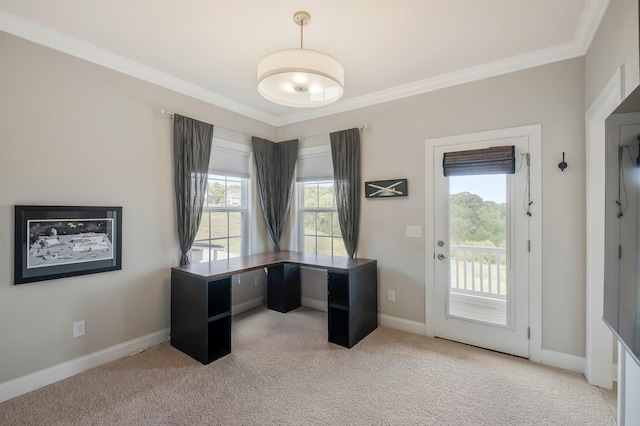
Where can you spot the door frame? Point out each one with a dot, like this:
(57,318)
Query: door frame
(534,135)
(599,340)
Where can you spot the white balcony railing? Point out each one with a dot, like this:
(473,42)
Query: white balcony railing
(479,271)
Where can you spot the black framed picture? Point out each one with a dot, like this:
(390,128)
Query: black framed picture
(386,188)
(63,241)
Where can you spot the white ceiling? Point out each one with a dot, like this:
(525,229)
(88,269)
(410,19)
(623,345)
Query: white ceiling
(209,49)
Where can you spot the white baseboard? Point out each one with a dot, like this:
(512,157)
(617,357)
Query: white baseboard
(319,305)
(403,324)
(30,382)
(562,360)
(246,306)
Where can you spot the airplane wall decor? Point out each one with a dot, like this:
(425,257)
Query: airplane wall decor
(386,188)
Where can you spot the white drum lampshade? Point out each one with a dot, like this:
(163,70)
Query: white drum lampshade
(300,78)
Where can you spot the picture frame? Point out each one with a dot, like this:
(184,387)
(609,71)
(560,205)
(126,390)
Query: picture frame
(54,242)
(390,188)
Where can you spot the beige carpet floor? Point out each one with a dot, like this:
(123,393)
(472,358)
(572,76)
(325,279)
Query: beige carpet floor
(283,371)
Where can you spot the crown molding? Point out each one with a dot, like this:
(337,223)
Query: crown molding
(589,22)
(480,72)
(39,34)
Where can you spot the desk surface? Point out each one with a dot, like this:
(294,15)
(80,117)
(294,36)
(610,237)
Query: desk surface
(225,267)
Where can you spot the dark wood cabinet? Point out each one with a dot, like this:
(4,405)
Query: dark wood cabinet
(201,298)
(201,316)
(283,287)
(352,298)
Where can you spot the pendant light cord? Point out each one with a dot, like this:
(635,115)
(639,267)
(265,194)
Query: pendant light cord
(301,33)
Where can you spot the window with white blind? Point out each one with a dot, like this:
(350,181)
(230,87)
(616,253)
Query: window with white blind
(318,230)
(223,228)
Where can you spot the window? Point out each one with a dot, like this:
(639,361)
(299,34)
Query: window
(318,229)
(319,226)
(221,234)
(223,231)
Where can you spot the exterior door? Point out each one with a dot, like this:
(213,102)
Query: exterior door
(481,253)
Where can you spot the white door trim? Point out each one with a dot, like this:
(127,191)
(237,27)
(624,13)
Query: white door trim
(534,134)
(599,351)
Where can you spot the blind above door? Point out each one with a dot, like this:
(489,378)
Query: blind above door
(494,160)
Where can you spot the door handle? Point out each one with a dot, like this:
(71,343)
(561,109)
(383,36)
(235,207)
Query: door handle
(441,256)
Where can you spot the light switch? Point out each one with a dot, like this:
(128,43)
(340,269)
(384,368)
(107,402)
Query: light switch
(414,231)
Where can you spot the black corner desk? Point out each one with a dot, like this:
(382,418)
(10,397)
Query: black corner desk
(201,298)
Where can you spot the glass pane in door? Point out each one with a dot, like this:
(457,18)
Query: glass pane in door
(478,260)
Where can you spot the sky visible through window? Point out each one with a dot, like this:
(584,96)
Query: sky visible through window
(489,187)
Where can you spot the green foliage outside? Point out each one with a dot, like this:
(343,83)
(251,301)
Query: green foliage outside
(223,193)
(477,223)
(321,228)
(319,194)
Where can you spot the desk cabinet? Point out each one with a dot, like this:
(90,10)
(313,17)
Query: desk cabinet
(201,316)
(352,310)
(283,287)
(201,298)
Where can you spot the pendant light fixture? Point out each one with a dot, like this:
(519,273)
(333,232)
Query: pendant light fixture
(300,78)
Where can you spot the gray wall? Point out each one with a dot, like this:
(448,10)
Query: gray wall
(393,147)
(615,44)
(74,133)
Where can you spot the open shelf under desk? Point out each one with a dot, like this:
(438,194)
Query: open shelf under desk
(221,315)
(339,306)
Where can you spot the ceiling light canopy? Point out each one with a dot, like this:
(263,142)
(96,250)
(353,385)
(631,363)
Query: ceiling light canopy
(300,78)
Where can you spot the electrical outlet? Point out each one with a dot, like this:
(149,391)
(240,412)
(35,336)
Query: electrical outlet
(414,231)
(78,328)
(391,295)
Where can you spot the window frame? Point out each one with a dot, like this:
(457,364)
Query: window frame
(301,210)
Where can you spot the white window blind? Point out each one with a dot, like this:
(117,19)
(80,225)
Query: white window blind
(314,167)
(314,164)
(230,162)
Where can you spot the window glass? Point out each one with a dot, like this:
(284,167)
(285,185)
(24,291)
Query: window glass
(319,227)
(221,234)
(325,195)
(310,195)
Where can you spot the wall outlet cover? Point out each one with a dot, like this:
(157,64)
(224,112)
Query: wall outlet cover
(414,231)
(78,328)
(391,295)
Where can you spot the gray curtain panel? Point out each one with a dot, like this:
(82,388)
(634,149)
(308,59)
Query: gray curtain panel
(191,151)
(275,164)
(345,153)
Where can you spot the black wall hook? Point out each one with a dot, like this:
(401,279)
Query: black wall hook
(563,165)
